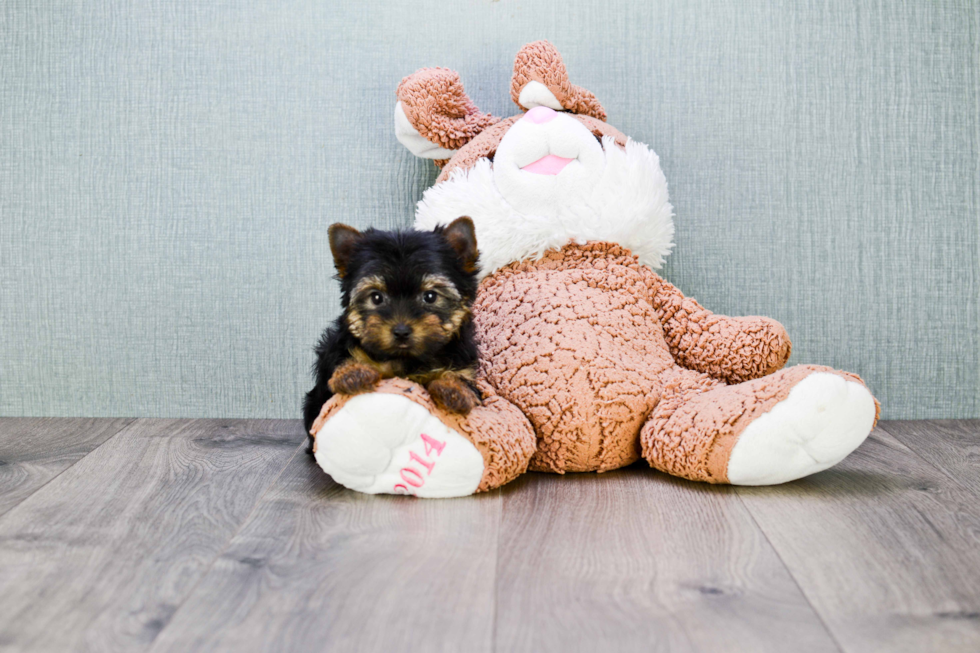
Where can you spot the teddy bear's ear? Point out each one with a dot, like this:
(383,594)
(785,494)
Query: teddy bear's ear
(540,79)
(434,117)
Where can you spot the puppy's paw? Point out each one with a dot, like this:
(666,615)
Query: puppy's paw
(353,378)
(451,393)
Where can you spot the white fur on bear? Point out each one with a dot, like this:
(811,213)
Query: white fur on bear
(536,94)
(530,193)
(369,444)
(608,193)
(824,418)
(416,143)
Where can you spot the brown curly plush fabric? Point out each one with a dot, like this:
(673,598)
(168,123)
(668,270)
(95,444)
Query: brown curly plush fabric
(496,428)
(540,62)
(733,349)
(437,106)
(575,341)
(483,145)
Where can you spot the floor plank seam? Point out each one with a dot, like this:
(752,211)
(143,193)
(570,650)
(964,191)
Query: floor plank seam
(496,575)
(826,627)
(231,538)
(122,427)
(927,462)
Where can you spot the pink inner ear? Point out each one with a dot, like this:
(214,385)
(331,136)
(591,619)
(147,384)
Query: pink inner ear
(547,165)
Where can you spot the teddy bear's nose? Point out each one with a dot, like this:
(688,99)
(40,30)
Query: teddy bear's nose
(541,115)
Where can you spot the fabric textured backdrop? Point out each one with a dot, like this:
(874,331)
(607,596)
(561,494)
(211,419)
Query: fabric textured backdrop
(168,170)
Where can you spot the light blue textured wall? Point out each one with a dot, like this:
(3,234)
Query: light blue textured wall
(168,169)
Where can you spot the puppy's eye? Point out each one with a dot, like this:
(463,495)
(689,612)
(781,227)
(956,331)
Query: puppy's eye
(377,298)
(429,297)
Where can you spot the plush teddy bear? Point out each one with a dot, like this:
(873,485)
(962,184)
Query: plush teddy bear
(589,359)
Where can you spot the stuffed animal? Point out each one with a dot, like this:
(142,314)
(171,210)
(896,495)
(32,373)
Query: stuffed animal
(589,360)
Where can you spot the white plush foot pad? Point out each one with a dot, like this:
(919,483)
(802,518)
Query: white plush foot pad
(385,444)
(824,418)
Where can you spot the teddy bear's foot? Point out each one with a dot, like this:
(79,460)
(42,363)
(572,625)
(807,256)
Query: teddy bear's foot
(824,418)
(383,443)
(776,428)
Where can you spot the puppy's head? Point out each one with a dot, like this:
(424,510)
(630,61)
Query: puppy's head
(406,294)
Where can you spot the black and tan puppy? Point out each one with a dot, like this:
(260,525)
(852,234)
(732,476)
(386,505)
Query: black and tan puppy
(406,297)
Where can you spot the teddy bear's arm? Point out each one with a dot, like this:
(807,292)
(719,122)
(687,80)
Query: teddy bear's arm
(734,349)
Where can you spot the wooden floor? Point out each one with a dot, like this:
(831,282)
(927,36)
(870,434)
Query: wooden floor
(215,535)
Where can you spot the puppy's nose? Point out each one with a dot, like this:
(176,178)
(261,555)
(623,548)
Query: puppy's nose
(401,331)
(541,115)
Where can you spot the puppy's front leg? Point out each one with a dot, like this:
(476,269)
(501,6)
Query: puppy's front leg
(452,392)
(352,377)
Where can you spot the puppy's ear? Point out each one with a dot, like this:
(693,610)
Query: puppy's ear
(343,239)
(461,235)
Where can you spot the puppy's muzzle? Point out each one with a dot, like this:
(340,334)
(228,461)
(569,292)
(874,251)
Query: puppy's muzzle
(402,334)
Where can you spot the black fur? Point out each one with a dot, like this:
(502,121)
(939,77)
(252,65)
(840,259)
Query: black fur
(401,259)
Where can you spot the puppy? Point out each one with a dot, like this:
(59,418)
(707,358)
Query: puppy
(406,297)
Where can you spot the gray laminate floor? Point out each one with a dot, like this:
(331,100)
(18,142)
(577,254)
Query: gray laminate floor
(218,535)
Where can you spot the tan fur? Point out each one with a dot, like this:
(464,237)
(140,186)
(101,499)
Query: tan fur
(452,393)
(431,375)
(387,369)
(369,284)
(428,323)
(356,323)
(353,377)
(440,283)
(373,330)
(395,368)
(456,320)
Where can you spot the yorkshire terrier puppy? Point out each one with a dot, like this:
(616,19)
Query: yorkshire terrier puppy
(406,297)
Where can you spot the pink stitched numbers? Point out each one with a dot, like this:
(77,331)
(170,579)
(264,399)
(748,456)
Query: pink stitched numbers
(414,477)
(422,461)
(431,444)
